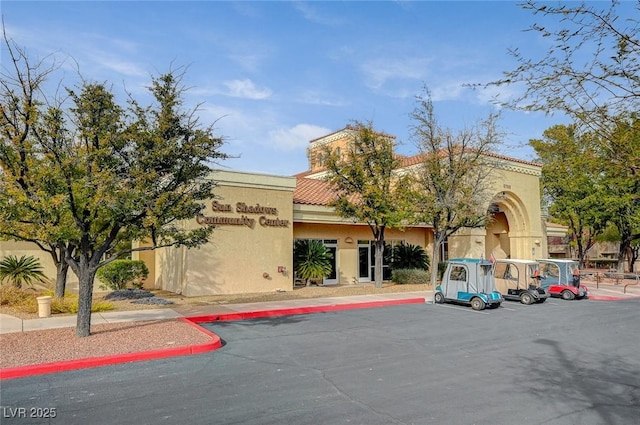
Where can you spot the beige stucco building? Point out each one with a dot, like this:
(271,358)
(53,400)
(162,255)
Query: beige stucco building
(251,248)
(258,217)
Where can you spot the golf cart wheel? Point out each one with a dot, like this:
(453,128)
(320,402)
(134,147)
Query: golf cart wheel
(526,298)
(477,304)
(438,298)
(567,295)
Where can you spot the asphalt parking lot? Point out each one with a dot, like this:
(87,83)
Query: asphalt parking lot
(562,362)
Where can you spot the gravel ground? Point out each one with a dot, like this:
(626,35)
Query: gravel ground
(53,345)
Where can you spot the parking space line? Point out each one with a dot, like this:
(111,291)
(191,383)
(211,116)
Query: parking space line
(461,308)
(507,308)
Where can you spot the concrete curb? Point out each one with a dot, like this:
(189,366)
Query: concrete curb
(611,297)
(214,344)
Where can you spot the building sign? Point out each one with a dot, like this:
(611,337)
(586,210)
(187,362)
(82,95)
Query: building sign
(250,215)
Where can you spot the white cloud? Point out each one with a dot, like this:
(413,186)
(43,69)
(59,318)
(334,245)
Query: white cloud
(495,95)
(312,97)
(92,54)
(380,71)
(229,123)
(257,143)
(246,89)
(451,90)
(248,62)
(114,63)
(296,137)
(313,14)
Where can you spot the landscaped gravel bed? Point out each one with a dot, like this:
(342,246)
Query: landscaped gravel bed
(53,345)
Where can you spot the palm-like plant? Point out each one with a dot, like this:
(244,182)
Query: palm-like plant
(311,260)
(408,256)
(25,270)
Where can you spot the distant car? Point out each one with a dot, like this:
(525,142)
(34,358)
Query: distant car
(562,278)
(469,281)
(519,280)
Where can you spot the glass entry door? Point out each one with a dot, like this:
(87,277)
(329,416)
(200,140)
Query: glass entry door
(332,247)
(365,270)
(367,261)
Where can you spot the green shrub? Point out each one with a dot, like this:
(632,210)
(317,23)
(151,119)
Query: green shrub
(311,260)
(408,256)
(120,273)
(25,270)
(410,276)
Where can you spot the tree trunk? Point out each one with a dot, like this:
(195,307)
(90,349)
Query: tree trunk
(86,277)
(634,257)
(625,245)
(435,260)
(61,278)
(379,247)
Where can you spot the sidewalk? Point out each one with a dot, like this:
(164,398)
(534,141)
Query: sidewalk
(214,312)
(605,291)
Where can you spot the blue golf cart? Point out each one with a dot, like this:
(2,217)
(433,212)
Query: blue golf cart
(469,281)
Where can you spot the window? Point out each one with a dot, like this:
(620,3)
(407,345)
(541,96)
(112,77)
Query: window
(444,250)
(502,270)
(367,258)
(458,273)
(550,270)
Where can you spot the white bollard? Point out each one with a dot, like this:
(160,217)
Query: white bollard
(44,306)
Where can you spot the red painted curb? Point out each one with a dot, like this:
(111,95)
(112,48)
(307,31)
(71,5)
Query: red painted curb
(214,344)
(300,310)
(605,298)
(54,367)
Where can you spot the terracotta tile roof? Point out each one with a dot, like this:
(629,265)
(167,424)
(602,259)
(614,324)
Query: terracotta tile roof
(306,173)
(312,192)
(408,161)
(509,158)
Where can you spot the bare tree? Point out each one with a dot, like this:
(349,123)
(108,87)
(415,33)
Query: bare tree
(454,176)
(591,71)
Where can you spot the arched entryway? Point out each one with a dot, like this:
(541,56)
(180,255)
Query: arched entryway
(507,227)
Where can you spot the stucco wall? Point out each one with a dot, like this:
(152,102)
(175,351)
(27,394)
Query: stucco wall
(253,240)
(348,236)
(517,231)
(245,254)
(19,249)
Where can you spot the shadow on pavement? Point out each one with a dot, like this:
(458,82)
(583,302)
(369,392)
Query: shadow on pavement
(567,384)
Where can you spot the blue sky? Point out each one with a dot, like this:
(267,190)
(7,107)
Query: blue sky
(275,75)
